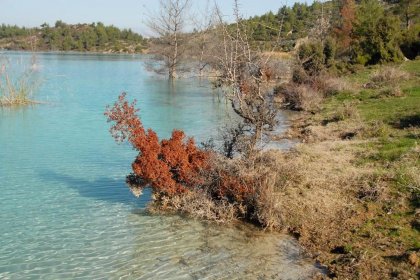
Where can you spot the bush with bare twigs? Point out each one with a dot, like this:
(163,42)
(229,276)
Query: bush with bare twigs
(299,97)
(332,85)
(388,76)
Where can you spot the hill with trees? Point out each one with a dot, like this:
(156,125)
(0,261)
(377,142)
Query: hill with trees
(392,24)
(95,37)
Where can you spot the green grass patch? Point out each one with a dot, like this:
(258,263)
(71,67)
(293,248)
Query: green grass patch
(374,104)
(387,149)
(412,67)
(395,226)
(391,109)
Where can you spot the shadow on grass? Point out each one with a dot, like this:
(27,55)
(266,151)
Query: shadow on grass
(103,189)
(330,120)
(409,121)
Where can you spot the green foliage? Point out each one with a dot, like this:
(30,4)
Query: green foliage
(295,22)
(10,31)
(368,33)
(78,37)
(390,149)
(410,43)
(407,10)
(314,57)
(375,34)
(330,49)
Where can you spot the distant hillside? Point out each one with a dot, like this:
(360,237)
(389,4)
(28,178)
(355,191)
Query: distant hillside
(95,37)
(301,20)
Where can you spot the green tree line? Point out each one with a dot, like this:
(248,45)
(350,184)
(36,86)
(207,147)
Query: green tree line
(72,37)
(365,31)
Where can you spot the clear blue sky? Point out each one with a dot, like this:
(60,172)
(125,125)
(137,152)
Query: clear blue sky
(121,13)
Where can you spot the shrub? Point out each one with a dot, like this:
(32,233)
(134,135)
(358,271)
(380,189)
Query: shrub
(300,76)
(300,97)
(410,43)
(375,129)
(388,76)
(312,57)
(187,179)
(376,35)
(330,49)
(171,166)
(331,85)
(392,91)
(347,111)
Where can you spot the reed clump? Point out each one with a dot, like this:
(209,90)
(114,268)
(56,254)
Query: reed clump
(17,89)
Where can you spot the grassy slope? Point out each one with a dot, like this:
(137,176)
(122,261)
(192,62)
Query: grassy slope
(383,238)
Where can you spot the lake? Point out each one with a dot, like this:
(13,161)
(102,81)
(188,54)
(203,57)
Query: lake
(65,212)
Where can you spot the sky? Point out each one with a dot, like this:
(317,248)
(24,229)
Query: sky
(121,13)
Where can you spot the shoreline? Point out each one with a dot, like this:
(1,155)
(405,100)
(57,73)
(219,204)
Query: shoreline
(2,50)
(354,211)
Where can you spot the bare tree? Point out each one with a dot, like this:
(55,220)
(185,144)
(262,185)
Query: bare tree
(169,27)
(244,76)
(200,43)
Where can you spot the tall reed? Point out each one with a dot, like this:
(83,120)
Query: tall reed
(17,88)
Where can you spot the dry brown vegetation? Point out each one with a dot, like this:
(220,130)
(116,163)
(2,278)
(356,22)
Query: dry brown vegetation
(307,95)
(361,196)
(331,85)
(299,97)
(331,202)
(388,80)
(15,91)
(388,76)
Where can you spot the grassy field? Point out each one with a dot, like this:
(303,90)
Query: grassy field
(363,149)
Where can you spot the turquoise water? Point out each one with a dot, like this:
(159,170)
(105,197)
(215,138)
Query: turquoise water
(65,212)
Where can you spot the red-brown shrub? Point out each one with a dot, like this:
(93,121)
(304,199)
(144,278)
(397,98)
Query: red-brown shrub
(170,166)
(186,178)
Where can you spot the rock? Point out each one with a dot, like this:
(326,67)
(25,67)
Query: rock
(413,259)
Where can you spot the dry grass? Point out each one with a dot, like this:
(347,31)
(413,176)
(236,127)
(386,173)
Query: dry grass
(388,76)
(16,91)
(332,85)
(375,129)
(278,55)
(388,80)
(296,189)
(197,204)
(392,91)
(300,97)
(326,201)
(316,180)
(347,111)
(348,208)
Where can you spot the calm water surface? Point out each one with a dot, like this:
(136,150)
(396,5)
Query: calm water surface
(65,212)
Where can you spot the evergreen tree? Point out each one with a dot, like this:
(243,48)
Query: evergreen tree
(376,34)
